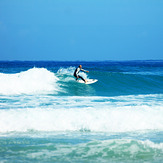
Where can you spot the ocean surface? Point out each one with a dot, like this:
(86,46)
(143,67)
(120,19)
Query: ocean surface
(46,116)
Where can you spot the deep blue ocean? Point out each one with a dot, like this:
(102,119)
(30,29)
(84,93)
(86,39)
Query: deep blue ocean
(46,116)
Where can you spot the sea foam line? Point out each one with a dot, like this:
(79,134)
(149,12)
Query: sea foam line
(94,119)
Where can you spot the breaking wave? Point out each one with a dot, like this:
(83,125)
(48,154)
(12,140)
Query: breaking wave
(32,81)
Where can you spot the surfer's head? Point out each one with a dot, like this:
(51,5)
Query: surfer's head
(80,66)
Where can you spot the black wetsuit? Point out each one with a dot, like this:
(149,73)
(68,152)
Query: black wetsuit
(76,73)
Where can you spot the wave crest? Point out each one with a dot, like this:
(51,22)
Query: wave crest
(32,81)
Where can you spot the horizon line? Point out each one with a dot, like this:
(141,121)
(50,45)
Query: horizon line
(80,60)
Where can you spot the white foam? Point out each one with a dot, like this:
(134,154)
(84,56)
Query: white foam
(32,81)
(83,114)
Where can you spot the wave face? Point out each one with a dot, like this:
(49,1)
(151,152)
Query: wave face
(112,83)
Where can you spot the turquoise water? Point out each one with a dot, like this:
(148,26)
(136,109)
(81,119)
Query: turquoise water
(46,116)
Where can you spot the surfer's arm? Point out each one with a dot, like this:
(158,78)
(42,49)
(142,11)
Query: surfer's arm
(84,70)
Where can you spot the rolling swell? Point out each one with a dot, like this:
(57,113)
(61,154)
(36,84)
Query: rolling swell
(113,83)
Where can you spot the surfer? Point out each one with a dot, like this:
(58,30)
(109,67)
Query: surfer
(77,71)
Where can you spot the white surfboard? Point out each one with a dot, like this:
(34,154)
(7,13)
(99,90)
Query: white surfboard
(89,81)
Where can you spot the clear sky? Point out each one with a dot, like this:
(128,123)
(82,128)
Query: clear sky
(86,30)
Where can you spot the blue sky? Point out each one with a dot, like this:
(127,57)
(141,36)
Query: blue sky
(86,30)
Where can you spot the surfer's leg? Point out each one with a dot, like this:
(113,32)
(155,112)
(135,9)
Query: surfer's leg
(76,76)
(81,78)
